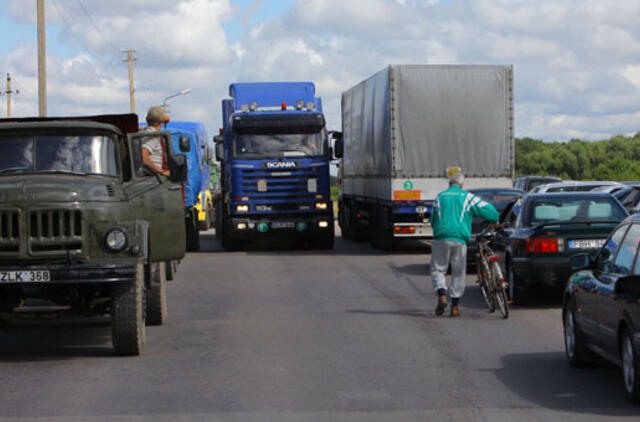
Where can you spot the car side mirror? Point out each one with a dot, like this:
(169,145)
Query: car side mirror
(177,168)
(338,144)
(185,143)
(628,287)
(580,261)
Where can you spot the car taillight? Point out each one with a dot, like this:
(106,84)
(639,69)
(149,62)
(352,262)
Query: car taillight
(542,245)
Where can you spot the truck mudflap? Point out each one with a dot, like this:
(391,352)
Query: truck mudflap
(303,226)
(67,274)
(414,230)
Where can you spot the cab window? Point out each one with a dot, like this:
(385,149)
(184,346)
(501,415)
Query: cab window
(604,260)
(153,145)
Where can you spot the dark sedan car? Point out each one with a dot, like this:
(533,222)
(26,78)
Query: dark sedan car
(541,232)
(500,198)
(601,311)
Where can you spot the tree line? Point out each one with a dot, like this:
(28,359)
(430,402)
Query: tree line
(615,159)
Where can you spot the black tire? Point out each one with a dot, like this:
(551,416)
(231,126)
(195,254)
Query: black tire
(516,294)
(169,270)
(485,289)
(157,295)
(128,315)
(575,349)
(381,233)
(228,243)
(630,367)
(326,243)
(193,234)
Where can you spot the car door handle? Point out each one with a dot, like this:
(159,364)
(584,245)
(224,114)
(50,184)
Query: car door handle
(175,187)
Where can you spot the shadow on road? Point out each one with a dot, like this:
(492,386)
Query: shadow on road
(56,340)
(549,381)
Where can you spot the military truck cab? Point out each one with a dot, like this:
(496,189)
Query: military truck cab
(85,229)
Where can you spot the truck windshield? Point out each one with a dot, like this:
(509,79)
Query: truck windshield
(279,145)
(84,154)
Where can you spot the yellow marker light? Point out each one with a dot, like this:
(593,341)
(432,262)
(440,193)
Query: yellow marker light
(242,208)
(321,205)
(323,224)
(242,226)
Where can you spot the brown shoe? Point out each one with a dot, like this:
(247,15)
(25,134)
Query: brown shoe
(442,303)
(455,311)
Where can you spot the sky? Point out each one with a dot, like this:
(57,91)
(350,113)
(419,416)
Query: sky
(576,62)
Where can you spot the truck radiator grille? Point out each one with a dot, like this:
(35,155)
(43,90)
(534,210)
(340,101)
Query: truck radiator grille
(55,230)
(9,231)
(281,184)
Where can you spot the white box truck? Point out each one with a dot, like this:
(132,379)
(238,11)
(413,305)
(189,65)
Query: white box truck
(404,129)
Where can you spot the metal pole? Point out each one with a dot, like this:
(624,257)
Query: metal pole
(42,61)
(132,89)
(8,95)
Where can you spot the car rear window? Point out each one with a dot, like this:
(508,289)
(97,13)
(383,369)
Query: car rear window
(574,209)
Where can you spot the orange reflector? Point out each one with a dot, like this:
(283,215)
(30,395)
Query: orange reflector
(284,106)
(404,229)
(494,258)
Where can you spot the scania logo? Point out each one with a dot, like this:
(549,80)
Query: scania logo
(281,164)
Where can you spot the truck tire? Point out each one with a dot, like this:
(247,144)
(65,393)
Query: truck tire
(342,221)
(157,295)
(381,234)
(127,316)
(193,234)
(326,243)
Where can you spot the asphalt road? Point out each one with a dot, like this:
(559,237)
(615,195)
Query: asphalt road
(280,335)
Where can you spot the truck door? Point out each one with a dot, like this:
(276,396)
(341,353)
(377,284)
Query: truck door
(157,200)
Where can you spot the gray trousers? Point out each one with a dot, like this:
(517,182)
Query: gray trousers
(443,253)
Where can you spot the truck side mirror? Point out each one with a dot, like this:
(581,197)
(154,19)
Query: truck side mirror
(185,143)
(177,168)
(219,140)
(338,144)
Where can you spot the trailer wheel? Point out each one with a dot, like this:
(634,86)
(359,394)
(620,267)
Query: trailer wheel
(128,315)
(343,216)
(355,231)
(193,234)
(381,234)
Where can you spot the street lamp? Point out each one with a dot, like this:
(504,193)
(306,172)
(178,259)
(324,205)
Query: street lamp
(183,92)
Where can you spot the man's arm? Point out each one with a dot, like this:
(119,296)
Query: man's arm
(146,160)
(484,209)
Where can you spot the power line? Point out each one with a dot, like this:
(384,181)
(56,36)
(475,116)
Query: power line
(97,27)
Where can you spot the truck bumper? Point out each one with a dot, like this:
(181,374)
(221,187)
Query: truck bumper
(256,227)
(69,274)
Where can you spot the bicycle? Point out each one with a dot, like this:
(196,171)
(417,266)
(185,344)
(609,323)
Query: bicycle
(492,284)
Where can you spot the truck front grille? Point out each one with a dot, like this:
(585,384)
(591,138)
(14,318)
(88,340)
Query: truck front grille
(281,184)
(55,230)
(9,231)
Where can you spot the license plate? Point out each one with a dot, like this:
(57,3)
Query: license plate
(283,225)
(24,276)
(586,243)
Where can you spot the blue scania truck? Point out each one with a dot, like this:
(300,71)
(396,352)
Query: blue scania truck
(274,155)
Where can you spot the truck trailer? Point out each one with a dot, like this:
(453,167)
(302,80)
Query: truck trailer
(274,155)
(405,130)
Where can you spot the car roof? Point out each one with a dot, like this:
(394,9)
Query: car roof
(569,194)
(514,190)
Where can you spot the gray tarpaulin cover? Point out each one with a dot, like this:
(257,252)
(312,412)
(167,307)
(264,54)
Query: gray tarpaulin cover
(417,120)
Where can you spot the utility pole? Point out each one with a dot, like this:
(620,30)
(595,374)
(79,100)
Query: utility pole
(9,92)
(42,61)
(132,89)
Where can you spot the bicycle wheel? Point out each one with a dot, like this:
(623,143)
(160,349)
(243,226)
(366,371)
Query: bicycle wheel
(484,276)
(499,292)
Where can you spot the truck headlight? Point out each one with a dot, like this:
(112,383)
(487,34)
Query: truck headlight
(242,208)
(321,205)
(116,240)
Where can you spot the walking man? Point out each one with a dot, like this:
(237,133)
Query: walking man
(451,217)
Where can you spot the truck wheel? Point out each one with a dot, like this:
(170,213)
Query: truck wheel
(193,235)
(157,295)
(381,235)
(326,243)
(355,231)
(127,316)
(343,218)
(169,270)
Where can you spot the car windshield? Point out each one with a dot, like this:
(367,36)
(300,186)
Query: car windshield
(498,198)
(279,145)
(86,154)
(574,209)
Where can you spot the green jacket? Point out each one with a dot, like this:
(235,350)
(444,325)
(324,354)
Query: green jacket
(453,212)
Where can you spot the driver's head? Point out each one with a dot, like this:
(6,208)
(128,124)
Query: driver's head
(456,179)
(155,116)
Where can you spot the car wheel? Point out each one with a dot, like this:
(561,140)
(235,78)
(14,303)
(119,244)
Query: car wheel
(577,353)
(128,315)
(515,294)
(630,367)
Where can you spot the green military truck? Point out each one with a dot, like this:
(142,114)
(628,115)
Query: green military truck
(85,229)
